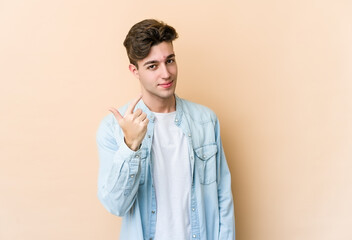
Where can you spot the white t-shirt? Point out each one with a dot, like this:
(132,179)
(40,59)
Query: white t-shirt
(172,179)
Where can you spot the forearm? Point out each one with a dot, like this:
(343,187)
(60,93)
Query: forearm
(119,183)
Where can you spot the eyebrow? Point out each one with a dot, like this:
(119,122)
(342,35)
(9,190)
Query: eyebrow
(155,61)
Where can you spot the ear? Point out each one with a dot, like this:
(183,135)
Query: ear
(133,69)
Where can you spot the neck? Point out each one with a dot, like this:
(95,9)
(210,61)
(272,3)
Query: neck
(160,105)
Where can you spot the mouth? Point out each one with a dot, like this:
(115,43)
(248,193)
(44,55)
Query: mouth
(166,85)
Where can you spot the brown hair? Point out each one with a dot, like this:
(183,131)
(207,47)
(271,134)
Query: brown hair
(145,34)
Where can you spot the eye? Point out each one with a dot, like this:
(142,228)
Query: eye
(151,67)
(170,61)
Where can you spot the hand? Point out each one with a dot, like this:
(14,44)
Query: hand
(134,124)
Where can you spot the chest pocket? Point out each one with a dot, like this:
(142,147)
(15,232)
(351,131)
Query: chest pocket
(206,163)
(144,154)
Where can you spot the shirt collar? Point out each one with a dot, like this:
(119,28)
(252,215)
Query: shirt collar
(151,116)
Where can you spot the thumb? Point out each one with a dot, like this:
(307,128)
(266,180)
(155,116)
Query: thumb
(116,113)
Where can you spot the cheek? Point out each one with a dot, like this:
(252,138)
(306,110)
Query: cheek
(173,69)
(147,78)
(144,75)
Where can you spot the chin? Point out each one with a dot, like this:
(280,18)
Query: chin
(166,95)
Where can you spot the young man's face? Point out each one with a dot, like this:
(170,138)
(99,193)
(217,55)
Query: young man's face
(157,73)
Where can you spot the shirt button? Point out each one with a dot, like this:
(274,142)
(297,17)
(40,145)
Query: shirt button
(193,209)
(132,176)
(153,211)
(176,120)
(189,135)
(149,136)
(194,236)
(204,156)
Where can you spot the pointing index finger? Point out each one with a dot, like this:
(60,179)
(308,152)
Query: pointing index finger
(133,104)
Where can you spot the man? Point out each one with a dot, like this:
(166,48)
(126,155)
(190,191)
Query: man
(162,165)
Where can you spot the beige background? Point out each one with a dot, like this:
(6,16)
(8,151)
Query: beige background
(277,73)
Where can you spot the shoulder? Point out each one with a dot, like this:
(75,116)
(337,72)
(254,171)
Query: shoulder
(197,111)
(106,129)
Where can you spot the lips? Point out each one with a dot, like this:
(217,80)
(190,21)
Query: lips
(166,85)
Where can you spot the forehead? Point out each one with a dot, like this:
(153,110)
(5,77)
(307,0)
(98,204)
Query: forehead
(159,52)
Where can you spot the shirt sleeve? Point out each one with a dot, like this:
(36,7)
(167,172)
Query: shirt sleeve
(119,169)
(226,207)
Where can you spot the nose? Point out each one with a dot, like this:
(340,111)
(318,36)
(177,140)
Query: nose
(165,72)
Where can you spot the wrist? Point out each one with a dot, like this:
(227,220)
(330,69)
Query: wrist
(134,146)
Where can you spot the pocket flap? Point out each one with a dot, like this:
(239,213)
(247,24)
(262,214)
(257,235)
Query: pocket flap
(206,152)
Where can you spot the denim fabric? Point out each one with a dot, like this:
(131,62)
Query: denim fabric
(125,184)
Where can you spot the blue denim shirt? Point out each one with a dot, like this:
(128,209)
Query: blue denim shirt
(125,184)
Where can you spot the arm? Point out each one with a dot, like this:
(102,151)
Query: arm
(226,208)
(118,139)
(119,169)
